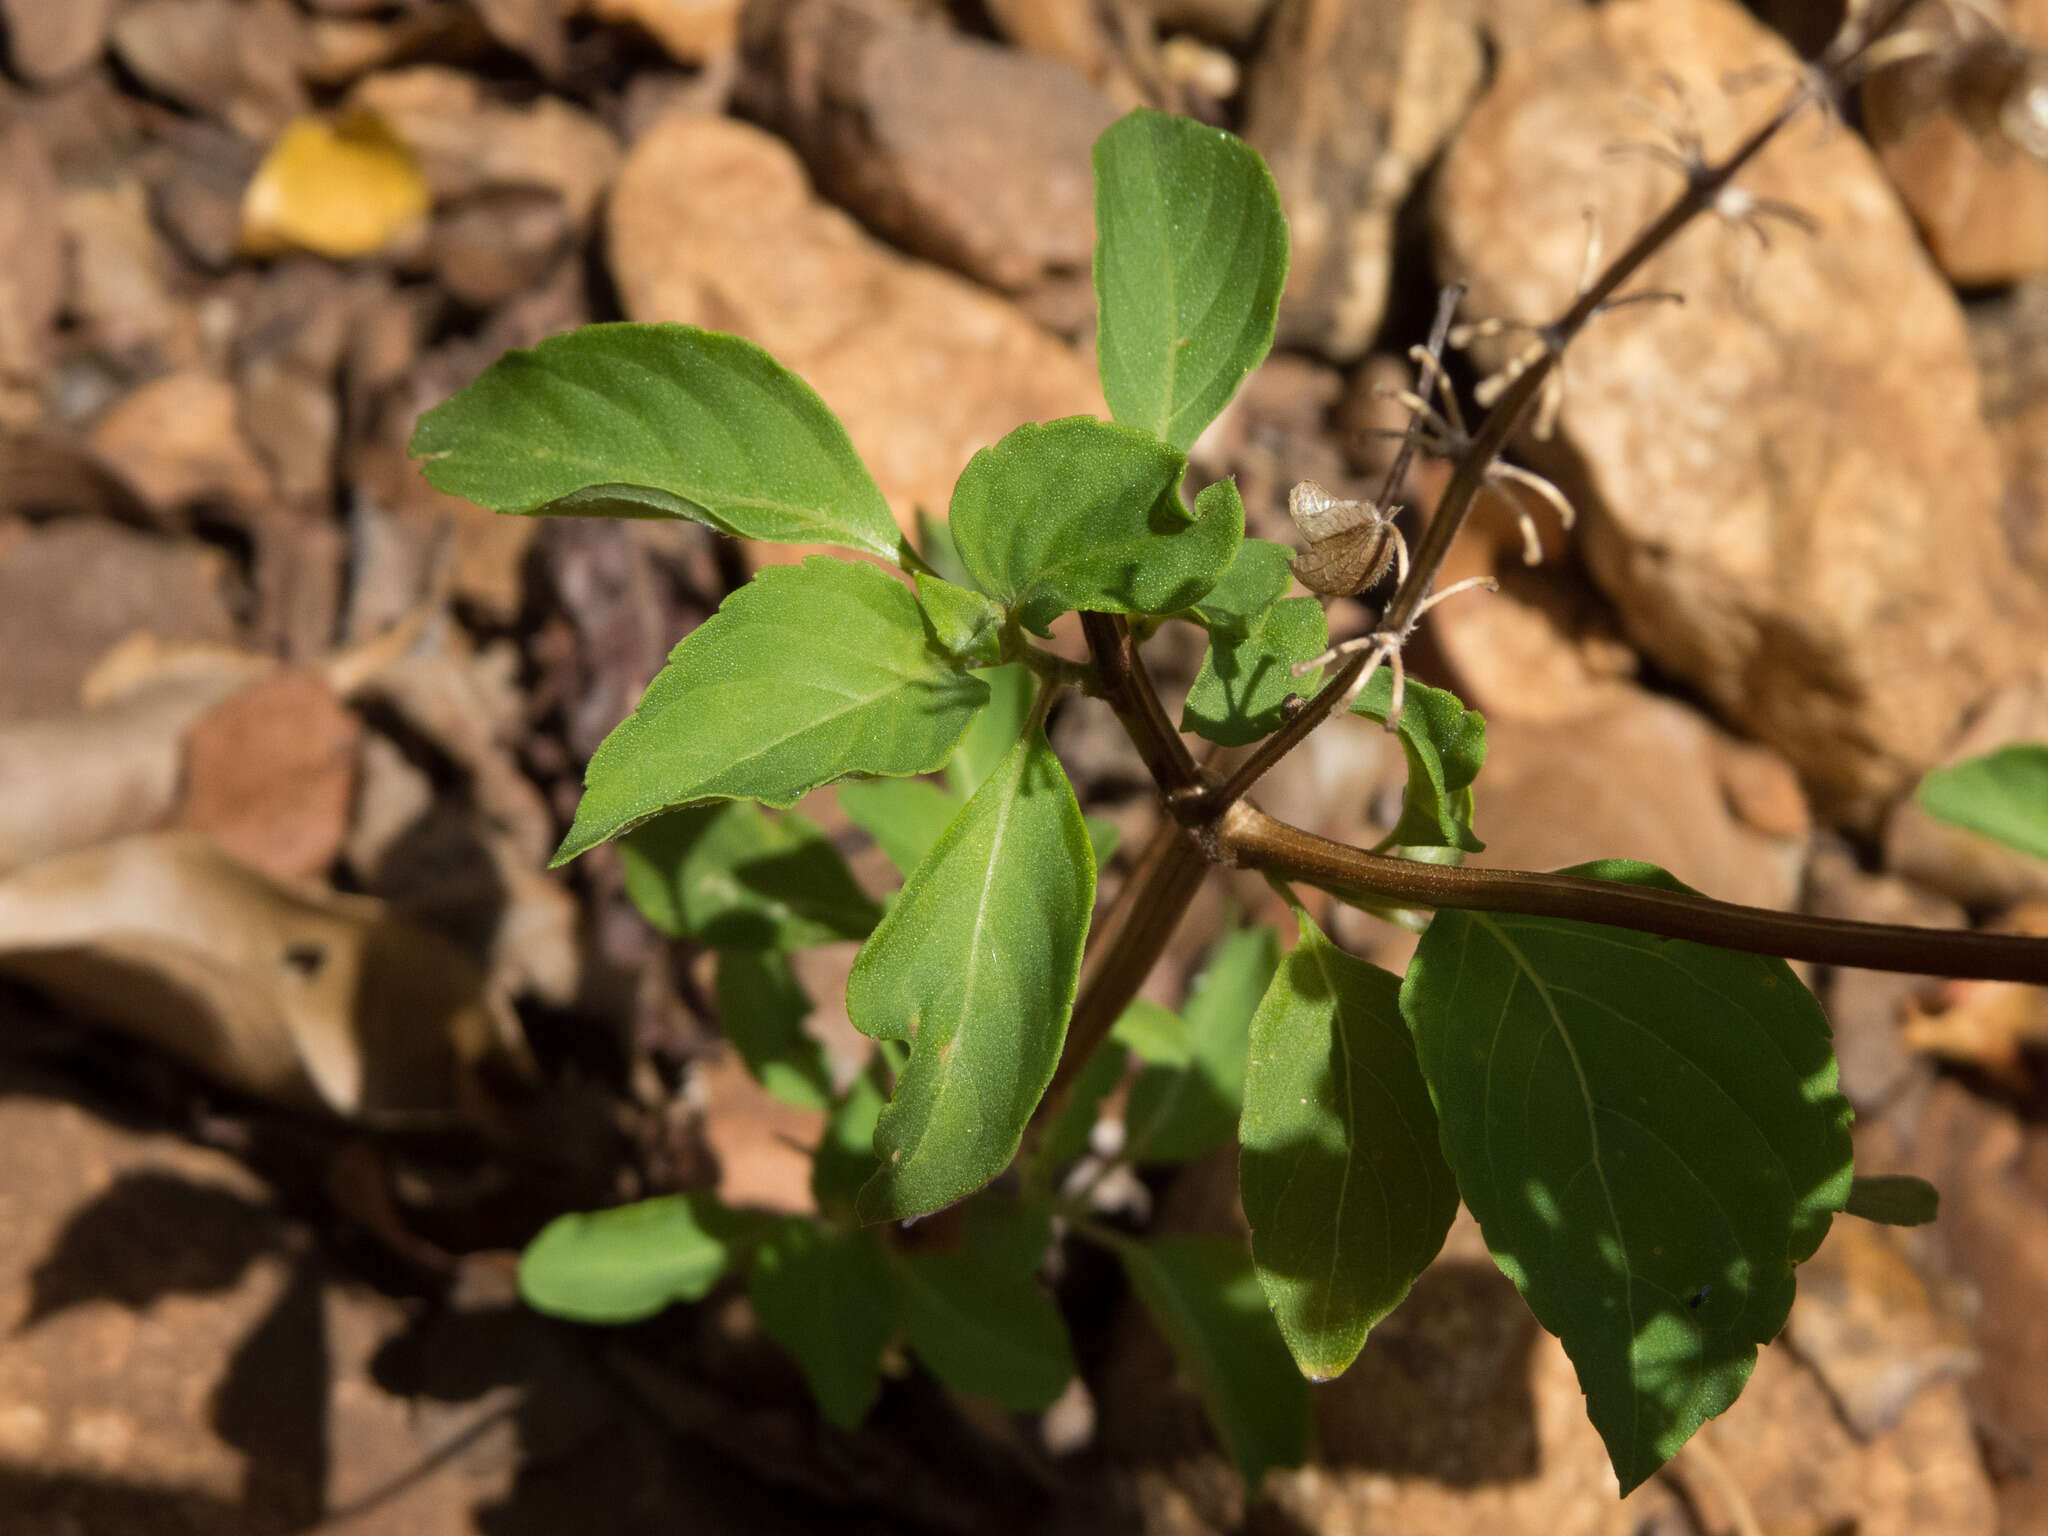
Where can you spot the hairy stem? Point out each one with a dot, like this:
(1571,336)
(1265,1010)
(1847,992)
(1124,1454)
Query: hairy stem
(1250,838)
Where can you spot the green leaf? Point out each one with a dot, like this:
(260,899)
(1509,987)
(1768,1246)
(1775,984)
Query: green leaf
(1003,1233)
(1157,1036)
(806,674)
(904,816)
(1246,679)
(1650,1135)
(733,877)
(1893,1200)
(966,625)
(1445,744)
(826,1298)
(2003,796)
(1080,514)
(845,1158)
(1201,1293)
(995,730)
(976,965)
(630,1262)
(1346,1190)
(1104,838)
(935,543)
(657,421)
(1190,257)
(1178,1113)
(1257,577)
(1067,1137)
(762,1008)
(983,1329)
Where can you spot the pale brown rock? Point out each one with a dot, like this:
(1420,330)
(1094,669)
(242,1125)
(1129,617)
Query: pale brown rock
(1231,21)
(1348,103)
(70,590)
(46,42)
(31,255)
(179,441)
(1786,486)
(713,223)
(270,772)
(1975,870)
(174,1354)
(470,144)
(236,60)
(1964,136)
(1643,778)
(691,31)
(972,154)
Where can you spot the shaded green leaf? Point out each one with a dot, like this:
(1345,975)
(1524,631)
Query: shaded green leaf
(1650,1135)
(806,674)
(762,1008)
(1203,1296)
(1344,1185)
(1445,744)
(995,730)
(904,816)
(656,421)
(1190,257)
(1156,1035)
(976,966)
(1247,677)
(1178,1113)
(1104,838)
(935,543)
(1002,1233)
(2003,796)
(845,1159)
(630,1262)
(827,1299)
(1080,514)
(1068,1135)
(966,625)
(1258,576)
(731,876)
(988,1330)
(1893,1200)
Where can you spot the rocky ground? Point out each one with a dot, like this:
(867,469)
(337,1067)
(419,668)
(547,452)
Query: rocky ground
(267,694)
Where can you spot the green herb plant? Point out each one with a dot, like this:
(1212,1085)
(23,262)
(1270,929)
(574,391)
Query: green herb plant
(1622,1079)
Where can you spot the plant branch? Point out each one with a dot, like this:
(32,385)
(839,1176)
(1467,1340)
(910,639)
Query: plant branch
(1705,182)
(1248,837)
(1127,688)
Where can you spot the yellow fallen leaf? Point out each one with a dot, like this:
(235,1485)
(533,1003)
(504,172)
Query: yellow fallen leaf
(341,189)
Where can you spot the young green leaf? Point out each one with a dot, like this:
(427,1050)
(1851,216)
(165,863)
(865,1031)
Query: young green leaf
(762,1008)
(1894,1200)
(1190,257)
(983,1329)
(1080,514)
(904,816)
(845,1158)
(935,543)
(806,674)
(1247,678)
(976,965)
(1156,1035)
(1201,1293)
(1345,1187)
(826,1298)
(1178,1113)
(1445,744)
(731,876)
(995,730)
(628,1263)
(966,625)
(1650,1135)
(657,421)
(2003,796)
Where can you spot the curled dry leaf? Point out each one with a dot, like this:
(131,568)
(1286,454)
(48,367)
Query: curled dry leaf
(305,997)
(341,189)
